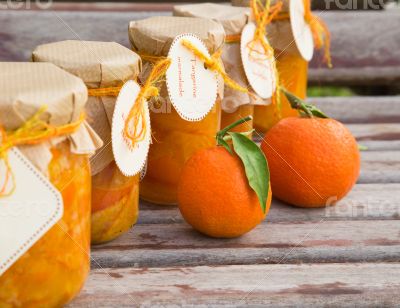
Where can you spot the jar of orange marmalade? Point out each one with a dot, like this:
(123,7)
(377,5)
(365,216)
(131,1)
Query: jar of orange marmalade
(174,139)
(293,44)
(236,105)
(115,197)
(52,271)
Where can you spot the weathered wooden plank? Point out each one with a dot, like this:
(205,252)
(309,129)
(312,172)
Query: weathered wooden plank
(381,145)
(360,109)
(380,167)
(364,202)
(370,58)
(158,245)
(375,131)
(342,285)
(22,31)
(361,57)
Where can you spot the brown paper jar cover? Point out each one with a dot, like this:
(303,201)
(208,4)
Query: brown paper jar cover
(26,87)
(279,32)
(99,65)
(154,36)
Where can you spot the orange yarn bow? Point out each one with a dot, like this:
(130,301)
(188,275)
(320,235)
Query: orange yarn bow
(33,131)
(135,129)
(263,15)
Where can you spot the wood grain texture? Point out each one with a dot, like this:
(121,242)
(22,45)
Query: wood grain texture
(344,285)
(370,58)
(380,167)
(364,202)
(375,131)
(365,49)
(286,242)
(360,109)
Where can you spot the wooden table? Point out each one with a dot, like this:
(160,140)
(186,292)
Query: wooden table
(345,255)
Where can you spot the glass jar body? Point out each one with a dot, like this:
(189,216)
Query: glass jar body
(55,268)
(115,204)
(174,141)
(292,71)
(240,113)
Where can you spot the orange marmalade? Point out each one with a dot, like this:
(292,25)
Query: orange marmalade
(101,65)
(174,141)
(240,113)
(53,270)
(115,203)
(292,71)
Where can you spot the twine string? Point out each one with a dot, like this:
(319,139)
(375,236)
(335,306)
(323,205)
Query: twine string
(135,129)
(33,131)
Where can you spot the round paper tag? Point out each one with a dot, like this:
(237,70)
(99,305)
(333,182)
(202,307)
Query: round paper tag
(258,68)
(130,159)
(301,30)
(192,88)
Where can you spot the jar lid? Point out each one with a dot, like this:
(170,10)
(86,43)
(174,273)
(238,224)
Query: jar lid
(98,64)
(233,19)
(154,35)
(26,87)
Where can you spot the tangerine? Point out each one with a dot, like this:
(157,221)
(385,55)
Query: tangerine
(313,161)
(215,197)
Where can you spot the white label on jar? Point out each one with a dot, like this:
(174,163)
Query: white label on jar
(130,158)
(259,68)
(29,212)
(192,88)
(301,30)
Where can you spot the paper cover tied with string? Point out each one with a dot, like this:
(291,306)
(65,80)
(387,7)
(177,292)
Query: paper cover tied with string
(233,19)
(296,30)
(153,37)
(26,88)
(99,65)
(45,184)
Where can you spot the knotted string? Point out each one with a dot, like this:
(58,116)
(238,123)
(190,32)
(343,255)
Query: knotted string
(263,16)
(135,128)
(214,64)
(319,29)
(33,131)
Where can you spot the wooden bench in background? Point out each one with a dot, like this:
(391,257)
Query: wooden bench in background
(338,256)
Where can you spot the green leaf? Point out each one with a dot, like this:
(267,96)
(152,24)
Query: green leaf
(221,141)
(255,165)
(316,112)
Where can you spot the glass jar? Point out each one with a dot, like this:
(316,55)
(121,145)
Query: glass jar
(235,105)
(292,71)
(174,141)
(115,197)
(53,270)
(115,203)
(240,113)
